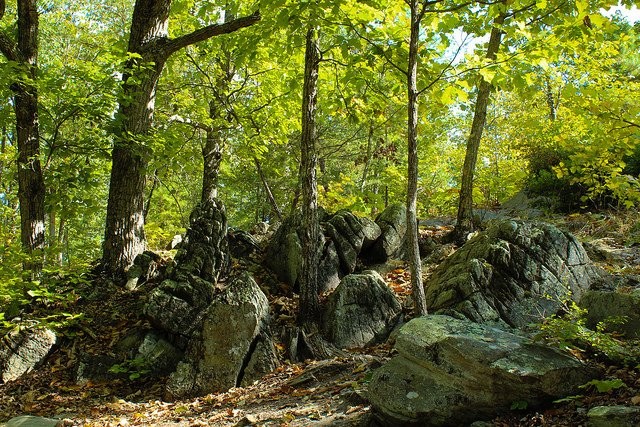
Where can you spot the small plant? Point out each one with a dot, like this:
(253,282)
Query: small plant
(519,405)
(569,332)
(604,386)
(133,368)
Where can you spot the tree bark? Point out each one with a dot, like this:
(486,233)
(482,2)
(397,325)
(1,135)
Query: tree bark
(212,157)
(31,187)
(267,189)
(124,231)
(415,265)
(464,223)
(309,311)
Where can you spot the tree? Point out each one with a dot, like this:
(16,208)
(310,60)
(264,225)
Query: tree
(309,312)
(31,187)
(149,48)
(464,221)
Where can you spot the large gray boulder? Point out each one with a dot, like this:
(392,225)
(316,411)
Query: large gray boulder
(22,350)
(361,311)
(613,416)
(351,235)
(516,272)
(618,301)
(232,346)
(393,226)
(344,237)
(178,303)
(451,372)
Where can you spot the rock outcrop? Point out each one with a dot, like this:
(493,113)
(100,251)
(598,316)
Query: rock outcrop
(393,226)
(361,311)
(344,237)
(22,350)
(516,272)
(617,300)
(453,372)
(176,306)
(232,346)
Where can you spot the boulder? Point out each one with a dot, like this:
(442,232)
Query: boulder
(613,416)
(393,226)
(176,306)
(205,253)
(152,351)
(31,421)
(23,349)
(453,372)
(344,237)
(144,268)
(361,311)
(231,347)
(516,272)
(283,254)
(242,244)
(622,302)
(350,235)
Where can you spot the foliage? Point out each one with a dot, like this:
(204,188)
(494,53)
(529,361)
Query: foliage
(569,332)
(133,368)
(605,386)
(49,302)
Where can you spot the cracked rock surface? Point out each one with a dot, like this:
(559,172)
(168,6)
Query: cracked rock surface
(452,372)
(361,311)
(233,345)
(22,350)
(514,273)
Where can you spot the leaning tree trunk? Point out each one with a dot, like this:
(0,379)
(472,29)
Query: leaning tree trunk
(420,304)
(31,188)
(464,223)
(149,41)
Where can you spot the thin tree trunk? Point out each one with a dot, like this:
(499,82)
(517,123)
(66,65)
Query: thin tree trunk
(309,312)
(551,102)
(464,223)
(420,304)
(124,231)
(212,156)
(267,189)
(369,156)
(154,186)
(31,187)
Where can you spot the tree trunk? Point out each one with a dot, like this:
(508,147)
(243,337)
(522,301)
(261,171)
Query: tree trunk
(464,223)
(551,102)
(212,156)
(124,231)
(309,303)
(267,189)
(420,304)
(369,157)
(31,188)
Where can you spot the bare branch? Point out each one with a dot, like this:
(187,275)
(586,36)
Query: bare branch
(201,34)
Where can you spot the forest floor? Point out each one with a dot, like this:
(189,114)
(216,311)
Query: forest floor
(314,393)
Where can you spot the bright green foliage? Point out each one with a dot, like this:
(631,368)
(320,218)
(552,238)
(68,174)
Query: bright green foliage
(568,332)
(605,386)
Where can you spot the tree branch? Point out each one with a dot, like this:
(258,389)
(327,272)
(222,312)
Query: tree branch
(174,45)
(8,47)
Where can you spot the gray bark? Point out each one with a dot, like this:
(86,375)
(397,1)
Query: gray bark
(124,231)
(310,239)
(415,265)
(31,187)
(464,223)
